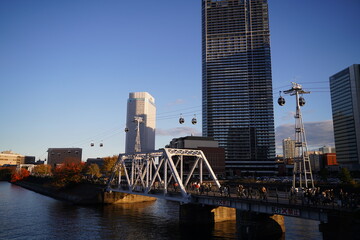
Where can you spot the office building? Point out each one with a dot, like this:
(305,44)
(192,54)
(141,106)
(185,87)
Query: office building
(237,84)
(10,158)
(288,148)
(58,156)
(326,149)
(345,102)
(141,111)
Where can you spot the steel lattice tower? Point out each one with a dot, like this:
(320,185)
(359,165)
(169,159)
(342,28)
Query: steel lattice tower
(302,166)
(138,120)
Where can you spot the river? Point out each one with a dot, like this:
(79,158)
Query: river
(28,215)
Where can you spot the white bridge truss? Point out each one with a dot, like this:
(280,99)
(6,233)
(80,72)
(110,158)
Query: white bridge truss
(142,173)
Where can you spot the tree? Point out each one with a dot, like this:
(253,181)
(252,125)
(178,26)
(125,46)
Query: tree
(42,170)
(109,163)
(68,172)
(93,170)
(6,173)
(19,175)
(345,176)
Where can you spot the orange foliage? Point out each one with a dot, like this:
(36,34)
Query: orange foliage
(68,172)
(19,175)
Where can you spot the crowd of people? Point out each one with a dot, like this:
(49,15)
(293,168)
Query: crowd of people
(304,196)
(309,196)
(316,196)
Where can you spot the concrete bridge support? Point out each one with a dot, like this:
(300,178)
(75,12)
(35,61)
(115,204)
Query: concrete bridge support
(252,225)
(345,226)
(204,214)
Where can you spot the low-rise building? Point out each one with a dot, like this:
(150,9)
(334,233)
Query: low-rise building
(11,158)
(214,154)
(98,161)
(58,156)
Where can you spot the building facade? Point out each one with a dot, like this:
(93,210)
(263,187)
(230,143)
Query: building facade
(288,148)
(214,154)
(345,102)
(57,156)
(326,149)
(140,105)
(11,158)
(237,83)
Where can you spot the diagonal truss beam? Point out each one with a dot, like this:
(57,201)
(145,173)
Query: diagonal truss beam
(158,169)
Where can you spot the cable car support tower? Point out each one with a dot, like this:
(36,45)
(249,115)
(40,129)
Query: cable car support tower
(302,166)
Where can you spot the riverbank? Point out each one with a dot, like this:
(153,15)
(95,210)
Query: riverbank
(83,193)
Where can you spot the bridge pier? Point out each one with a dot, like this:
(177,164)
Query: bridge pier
(205,214)
(345,226)
(252,225)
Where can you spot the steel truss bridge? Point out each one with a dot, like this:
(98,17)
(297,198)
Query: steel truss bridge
(162,174)
(153,173)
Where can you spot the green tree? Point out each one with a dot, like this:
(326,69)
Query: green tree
(93,170)
(345,176)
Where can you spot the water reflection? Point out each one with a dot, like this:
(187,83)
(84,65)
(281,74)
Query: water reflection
(28,215)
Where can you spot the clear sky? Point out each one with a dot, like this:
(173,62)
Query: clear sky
(67,67)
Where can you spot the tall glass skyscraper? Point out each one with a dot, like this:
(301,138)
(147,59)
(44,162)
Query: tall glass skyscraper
(237,83)
(345,101)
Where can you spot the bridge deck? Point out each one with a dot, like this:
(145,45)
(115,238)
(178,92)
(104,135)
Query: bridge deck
(275,203)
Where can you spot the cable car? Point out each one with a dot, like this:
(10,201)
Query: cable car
(281,101)
(301,101)
(181,119)
(91,144)
(126,129)
(101,144)
(194,121)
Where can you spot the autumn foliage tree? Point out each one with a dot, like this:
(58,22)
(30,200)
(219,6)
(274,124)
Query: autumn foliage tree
(42,170)
(20,174)
(93,170)
(68,172)
(109,163)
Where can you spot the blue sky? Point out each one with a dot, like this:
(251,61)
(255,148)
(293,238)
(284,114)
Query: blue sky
(67,67)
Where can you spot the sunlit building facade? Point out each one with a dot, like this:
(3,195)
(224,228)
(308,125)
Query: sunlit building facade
(142,106)
(288,148)
(11,158)
(237,83)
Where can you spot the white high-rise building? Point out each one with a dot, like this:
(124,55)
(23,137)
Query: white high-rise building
(141,111)
(288,148)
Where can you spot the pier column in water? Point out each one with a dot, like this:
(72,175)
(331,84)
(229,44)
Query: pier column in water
(259,225)
(199,214)
(341,226)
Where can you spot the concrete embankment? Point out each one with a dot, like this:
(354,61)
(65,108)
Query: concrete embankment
(84,193)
